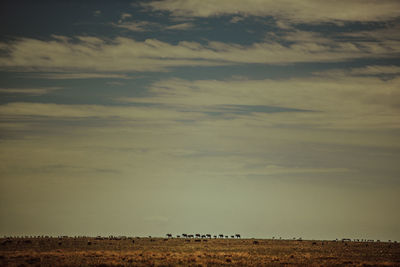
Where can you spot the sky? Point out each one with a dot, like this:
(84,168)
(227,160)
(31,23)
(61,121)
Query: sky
(263,118)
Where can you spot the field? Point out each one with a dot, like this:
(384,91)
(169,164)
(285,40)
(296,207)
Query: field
(193,252)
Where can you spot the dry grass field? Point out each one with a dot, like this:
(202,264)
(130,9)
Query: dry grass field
(193,252)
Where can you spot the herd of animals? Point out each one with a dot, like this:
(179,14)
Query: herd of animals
(204,236)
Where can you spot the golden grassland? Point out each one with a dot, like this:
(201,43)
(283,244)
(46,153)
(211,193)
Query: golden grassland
(86,251)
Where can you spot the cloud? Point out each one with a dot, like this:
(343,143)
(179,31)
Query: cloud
(236,19)
(139,26)
(125,16)
(376,70)
(181,26)
(335,101)
(92,54)
(290,170)
(144,26)
(283,25)
(389,32)
(80,75)
(24,109)
(28,91)
(387,71)
(114,83)
(318,102)
(307,11)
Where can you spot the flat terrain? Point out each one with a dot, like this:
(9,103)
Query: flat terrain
(193,252)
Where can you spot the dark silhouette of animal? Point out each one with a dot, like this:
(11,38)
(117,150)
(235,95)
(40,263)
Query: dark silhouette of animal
(221,236)
(237,236)
(169,235)
(208,235)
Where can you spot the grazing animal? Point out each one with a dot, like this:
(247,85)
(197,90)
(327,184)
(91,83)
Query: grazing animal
(178,236)
(221,236)
(215,236)
(184,235)
(197,235)
(208,235)
(232,236)
(169,235)
(237,236)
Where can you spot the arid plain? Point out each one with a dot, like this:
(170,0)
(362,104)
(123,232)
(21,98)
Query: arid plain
(84,251)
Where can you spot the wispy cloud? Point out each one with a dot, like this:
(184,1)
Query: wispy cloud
(144,26)
(365,102)
(307,11)
(115,83)
(180,26)
(377,70)
(389,32)
(236,19)
(125,16)
(97,13)
(385,71)
(92,54)
(139,26)
(28,91)
(80,75)
(94,111)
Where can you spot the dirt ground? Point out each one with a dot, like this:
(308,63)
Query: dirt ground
(193,252)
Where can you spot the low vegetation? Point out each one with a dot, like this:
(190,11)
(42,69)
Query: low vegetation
(84,251)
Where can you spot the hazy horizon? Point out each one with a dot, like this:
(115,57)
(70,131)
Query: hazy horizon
(263,118)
